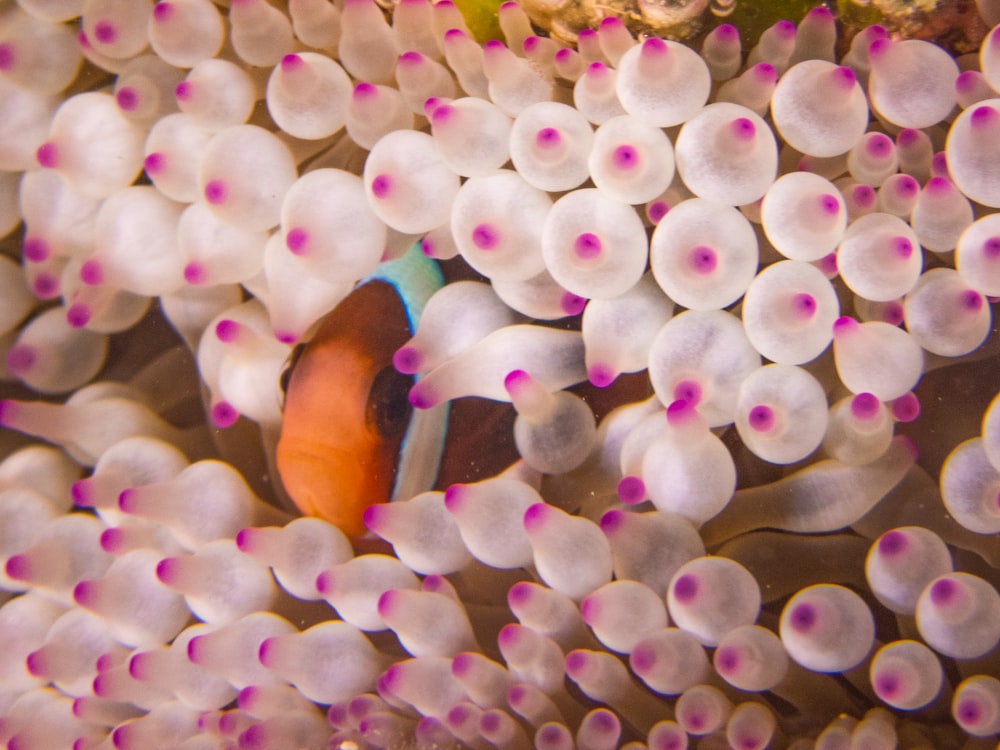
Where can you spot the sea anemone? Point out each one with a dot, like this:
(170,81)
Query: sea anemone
(678,367)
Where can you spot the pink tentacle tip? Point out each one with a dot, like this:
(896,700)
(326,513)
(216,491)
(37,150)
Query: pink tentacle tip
(572,304)
(590,609)
(685,588)
(112,540)
(610,22)
(462,663)
(183,91)
(576,662)
(600,375)
(81,493)
(761,418)
(562,55)
(411,58)
(765,72)
(387,603)
(297,241)
(105,32)
(516,380)
(291,63)
(286,337)
(407,360)
(906,408)
(138,666)
(18,567)
(865,405)
(535,517)
(227,330)
(453,497)
(892,313)
(893,543)
(486,236)
(969,712)
(597,70)
(421,397)
(656,210)
(588,246)
(453,35)
(92,273)
(382,186)
(612,521)
(154,163)
(85,593)
(625,157)
(162,11)
(127,501)
(984,116)
(8,58)
(844,78)
(803,617)
(742,129)
(127,98)
(703,260)
(681,412)
(727,660)
(223,415)
(642,658)
(688,390)
(828,263)
(548,138)
(944,592)
(266,652)
(373,517)
(215,192)
(21,359)
(364,91)
(519,594)
(166,570)
(804,305)
(845,325)
(991,248)
(35,663)
(652,48)
(530,44)
(35,249)
(47,155)
(879,48)
(78,315)
(195,273)
(971,300)
(631,490)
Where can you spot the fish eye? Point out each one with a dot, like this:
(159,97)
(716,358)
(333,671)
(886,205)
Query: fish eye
(388,402)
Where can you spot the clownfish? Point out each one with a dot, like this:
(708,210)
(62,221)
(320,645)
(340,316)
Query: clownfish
(349,436)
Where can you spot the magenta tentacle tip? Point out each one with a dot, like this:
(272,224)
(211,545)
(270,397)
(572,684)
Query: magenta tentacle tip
(126,500)
(535,516)
(216,192)
(572,304)
(407,360)
(35,249)
(588,246)
(600,375)
(78,315)
(21,358)
(803,617)
(18,567)
(223,415)
(612,521)
(370,518)
(194,273)
(92,273)
(761,418)
(685,588)
(127,98)
(47,155)
(893,543)
(486,236)
(297,240)
(162,11)
(844,326)
(631,490)
(105,32)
